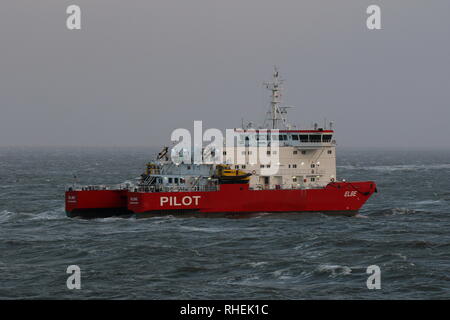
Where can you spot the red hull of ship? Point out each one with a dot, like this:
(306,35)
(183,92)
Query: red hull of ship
(337,197)
(96,203)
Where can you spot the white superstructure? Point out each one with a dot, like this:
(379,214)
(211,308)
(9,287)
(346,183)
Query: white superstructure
(306,158)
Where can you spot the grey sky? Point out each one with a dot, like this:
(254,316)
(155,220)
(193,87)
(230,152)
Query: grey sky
(139,69)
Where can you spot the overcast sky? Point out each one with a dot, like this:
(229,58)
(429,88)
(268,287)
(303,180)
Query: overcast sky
(140,68)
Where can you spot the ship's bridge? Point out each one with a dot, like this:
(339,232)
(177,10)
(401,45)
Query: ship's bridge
(304,139)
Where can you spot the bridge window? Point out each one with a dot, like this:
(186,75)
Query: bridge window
(315,138)
(326,137)
(304,138)
(295,137)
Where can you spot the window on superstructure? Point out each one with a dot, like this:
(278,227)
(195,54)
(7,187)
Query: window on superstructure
(294,166)
(295,137)
(182,180)
(303,151)
(295,152)
(236,167)
(170,180)
(304,138)
(313,165)
(313,179)
(243,166)
(315,138)
(261,166)
(294,179)
(268,153)
(330,152)
(326,137)
(176,180)
(274,152)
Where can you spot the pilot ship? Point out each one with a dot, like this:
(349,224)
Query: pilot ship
(300,178)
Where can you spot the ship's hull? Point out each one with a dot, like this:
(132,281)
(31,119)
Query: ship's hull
(231,199)
(97,203)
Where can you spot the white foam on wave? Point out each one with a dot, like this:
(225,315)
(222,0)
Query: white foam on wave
(199,229)
(334,270)
(403,167)
(427,202)
(55,214)
(402,211)
(257,264)
(5,215)
(282,274)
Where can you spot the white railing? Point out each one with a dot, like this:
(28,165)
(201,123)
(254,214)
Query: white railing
(76,187)
(161,188)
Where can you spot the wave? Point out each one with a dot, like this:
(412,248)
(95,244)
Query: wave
(393,211)
(282,274)
(258,264)
(405,167)
(199,229)
(333,270)
(427,202)
(55,214)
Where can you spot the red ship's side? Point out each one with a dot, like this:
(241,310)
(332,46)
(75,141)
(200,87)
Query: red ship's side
(339,197)
(96,203)
(336,197)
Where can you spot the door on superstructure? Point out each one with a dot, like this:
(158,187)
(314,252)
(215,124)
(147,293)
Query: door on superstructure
(277,182)
(265,182)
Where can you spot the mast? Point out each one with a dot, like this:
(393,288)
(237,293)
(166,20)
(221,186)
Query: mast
(276,112)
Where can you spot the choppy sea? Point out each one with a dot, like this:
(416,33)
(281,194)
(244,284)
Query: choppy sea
(404,229)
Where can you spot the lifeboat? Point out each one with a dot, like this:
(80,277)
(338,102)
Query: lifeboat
(226,175)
